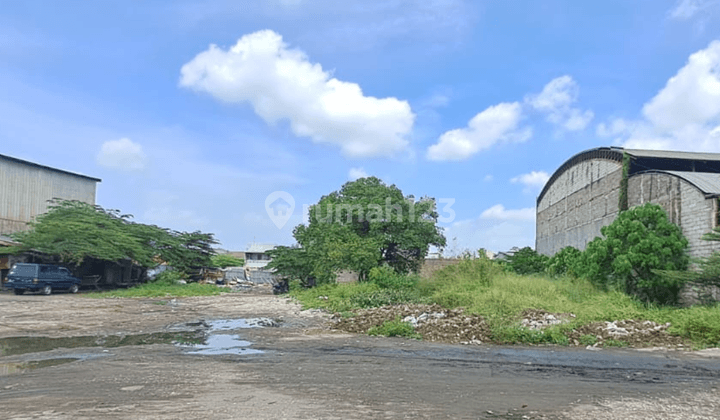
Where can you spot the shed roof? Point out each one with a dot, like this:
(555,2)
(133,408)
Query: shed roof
(50,168)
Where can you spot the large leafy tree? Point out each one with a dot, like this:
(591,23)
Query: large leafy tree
(363,225)
(636,246)
(74,231)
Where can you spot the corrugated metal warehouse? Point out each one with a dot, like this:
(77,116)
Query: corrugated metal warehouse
(583,195)
(26,187)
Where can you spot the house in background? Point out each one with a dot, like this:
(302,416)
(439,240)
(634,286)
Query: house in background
(26,189)
(256,256)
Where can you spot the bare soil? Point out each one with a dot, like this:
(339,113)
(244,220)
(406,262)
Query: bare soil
(307,370)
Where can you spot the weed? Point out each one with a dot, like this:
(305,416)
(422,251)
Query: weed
(588,340)
(395,328)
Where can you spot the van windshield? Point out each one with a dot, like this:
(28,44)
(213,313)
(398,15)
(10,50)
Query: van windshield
(23,270)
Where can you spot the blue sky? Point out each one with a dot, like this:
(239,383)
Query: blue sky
(193,112)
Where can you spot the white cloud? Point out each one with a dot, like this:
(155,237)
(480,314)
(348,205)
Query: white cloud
(556,100)
(685,113)
(123,154)
(488,178)
(496,124)
(499,212)
(282,84)
(533,180)
(692,96)
(357,173)
(686,9)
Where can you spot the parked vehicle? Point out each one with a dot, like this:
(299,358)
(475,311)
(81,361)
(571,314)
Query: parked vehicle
(43,277)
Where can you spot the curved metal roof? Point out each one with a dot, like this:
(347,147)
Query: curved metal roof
(668,161)
(707,183)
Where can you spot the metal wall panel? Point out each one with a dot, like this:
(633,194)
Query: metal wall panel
(25,189)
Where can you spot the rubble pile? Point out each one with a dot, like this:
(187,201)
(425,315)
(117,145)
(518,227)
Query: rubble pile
(538,319)
(433,322)
(633,332)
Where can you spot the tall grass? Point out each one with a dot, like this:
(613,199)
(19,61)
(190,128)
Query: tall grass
(484,288)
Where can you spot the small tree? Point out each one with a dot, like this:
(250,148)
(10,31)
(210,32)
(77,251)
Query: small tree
(527,261)
(635,246)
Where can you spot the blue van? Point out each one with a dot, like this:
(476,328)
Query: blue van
(43,277)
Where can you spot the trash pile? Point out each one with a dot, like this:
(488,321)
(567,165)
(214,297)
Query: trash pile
(633,332)
(433,322)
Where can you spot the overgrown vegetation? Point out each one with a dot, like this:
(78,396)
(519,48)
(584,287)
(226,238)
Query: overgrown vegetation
(485,288)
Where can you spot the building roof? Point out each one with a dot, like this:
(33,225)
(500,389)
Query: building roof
(7,241)
(644,160)
(260,248)
(669,154)
(707,183)
(37,165)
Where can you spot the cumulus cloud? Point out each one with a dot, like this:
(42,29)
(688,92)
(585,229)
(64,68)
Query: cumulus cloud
(123,154)
(499,212)
(556,100)
(684,115)
(283,84)
(532,181)
(357,173)
(496,124)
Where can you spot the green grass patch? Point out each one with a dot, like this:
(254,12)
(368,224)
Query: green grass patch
(395,328)
(160,290)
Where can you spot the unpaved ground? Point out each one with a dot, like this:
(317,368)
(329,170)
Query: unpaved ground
(308,371)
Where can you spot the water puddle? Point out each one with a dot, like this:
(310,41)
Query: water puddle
(22,345)
(218,342)
(224,344)
(211,337)
(7,369)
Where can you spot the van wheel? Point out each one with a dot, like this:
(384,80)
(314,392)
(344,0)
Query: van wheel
(74,288)
(46,290)
(19,291)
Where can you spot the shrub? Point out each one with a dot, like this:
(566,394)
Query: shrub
(637,244)
(527,261)
(564,261)
(169,277)
(387,278)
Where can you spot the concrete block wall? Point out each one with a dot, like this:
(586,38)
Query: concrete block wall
(430,266)
(684,204)
(577,205)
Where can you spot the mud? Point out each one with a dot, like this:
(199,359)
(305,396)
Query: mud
(306,370)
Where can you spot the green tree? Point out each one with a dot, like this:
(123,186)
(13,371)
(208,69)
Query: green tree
(639,243)
(363,225)
(224,261)
(527,261)
(75,231)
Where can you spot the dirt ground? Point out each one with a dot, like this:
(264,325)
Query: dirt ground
(69,357)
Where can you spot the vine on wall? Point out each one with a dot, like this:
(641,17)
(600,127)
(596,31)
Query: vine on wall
(623,197)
